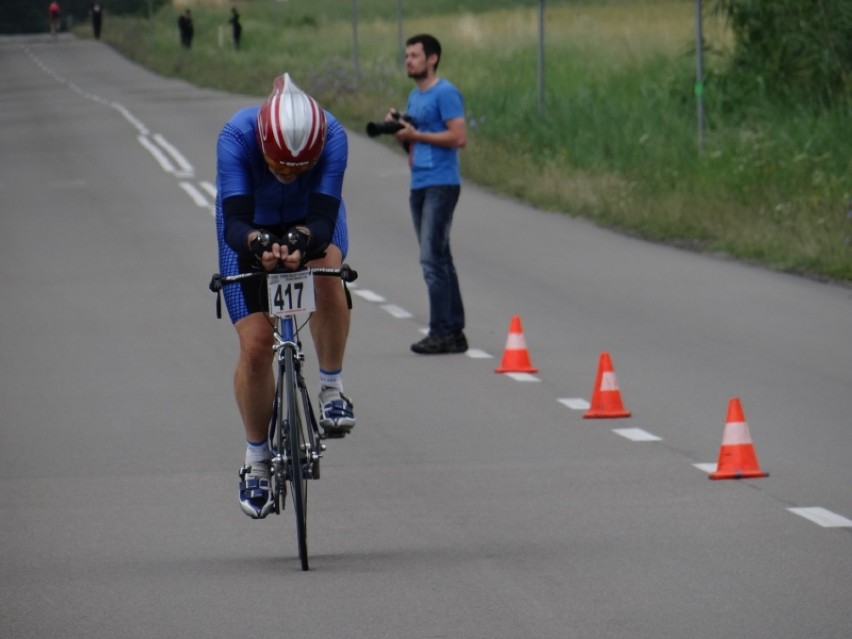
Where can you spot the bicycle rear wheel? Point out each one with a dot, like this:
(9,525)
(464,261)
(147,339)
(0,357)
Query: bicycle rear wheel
(299,462)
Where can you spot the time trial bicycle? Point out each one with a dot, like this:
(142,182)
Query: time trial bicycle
(295,435)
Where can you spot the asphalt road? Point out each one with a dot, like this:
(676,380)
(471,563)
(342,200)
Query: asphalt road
(466,504)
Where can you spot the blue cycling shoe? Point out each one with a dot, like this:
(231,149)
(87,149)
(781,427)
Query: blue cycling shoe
(256,489)
(336,412)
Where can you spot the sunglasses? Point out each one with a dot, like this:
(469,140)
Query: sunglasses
(287,170)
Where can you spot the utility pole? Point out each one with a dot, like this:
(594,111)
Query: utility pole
(355,54)
(400,45)
(699,74)
(541,57)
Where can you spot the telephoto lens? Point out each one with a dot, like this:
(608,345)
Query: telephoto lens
(378,128)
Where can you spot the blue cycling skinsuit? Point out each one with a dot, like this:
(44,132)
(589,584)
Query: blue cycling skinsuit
(242,172)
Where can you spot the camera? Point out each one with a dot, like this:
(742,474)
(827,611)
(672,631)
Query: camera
(390,126)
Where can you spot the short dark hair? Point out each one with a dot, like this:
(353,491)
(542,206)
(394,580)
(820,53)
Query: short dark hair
(430,45)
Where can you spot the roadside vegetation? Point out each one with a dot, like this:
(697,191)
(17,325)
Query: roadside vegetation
(616,140)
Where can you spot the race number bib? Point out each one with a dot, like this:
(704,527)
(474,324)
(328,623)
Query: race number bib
(290,293)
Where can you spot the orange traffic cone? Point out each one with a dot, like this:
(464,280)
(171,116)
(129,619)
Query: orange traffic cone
(606,397)
(516,358)
(737,458)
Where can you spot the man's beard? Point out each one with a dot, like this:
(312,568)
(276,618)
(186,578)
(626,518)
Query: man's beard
(418,75)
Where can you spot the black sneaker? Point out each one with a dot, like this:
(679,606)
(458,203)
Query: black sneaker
(458,343)
(440,344)
(430,345)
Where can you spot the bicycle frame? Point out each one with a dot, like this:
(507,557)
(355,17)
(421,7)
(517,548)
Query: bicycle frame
(286,338)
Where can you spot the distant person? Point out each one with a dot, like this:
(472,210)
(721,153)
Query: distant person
(186,29)
(433,135)
(53,13)
(97,13)
(236,27)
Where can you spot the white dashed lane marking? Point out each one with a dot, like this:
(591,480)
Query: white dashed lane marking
(707,468)
(574,403)
(396,311)
(369,295)
(522,377)
(636,434)
(823,517)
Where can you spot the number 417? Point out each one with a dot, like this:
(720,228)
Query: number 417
(289,297)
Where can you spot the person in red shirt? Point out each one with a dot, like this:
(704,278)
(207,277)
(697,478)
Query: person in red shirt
(53,18)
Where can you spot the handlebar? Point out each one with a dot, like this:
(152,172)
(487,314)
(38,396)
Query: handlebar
(217,282)
(345,273)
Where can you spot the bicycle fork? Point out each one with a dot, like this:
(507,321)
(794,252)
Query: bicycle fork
(312,448)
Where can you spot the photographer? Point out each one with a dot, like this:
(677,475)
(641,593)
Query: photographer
(432,131)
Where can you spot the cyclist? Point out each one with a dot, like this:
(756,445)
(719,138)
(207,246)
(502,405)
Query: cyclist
(280,167)
(53,13)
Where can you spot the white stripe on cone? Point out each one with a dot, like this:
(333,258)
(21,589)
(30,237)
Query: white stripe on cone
(736,433)
(609,382)
(516,342)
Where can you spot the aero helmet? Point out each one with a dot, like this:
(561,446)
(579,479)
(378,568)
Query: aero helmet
(291,128)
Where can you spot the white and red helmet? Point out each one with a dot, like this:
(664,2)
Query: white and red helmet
(291,128)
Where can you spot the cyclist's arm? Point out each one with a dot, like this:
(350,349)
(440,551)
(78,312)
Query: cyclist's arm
(327,188)
(236,188)
(238,214)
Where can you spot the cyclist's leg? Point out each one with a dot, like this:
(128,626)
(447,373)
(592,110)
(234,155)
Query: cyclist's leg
(330,322)
(330,331)
(254,381)
(254,387)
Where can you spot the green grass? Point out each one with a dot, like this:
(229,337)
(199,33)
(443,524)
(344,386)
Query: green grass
(616,141)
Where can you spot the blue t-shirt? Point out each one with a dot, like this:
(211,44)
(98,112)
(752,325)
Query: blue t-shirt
(430,164)
(241,170)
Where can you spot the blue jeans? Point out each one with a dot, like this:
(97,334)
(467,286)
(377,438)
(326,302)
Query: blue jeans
(432,213)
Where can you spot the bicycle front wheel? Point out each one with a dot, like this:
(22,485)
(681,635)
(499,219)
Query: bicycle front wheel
(299,461)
